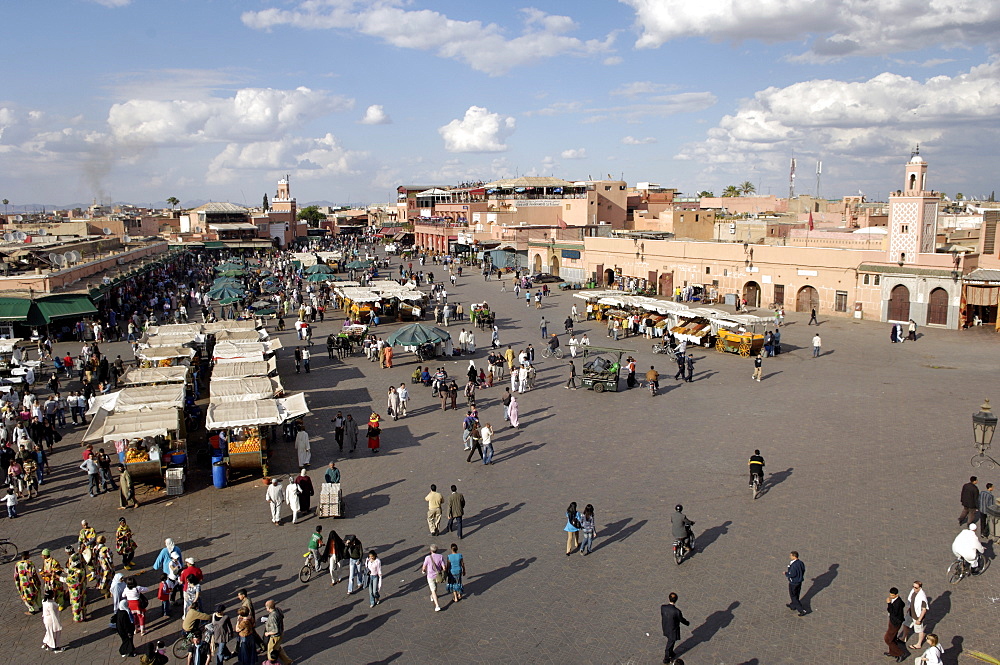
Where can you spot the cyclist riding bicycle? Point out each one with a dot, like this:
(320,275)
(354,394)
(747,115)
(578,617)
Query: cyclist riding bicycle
(967,546)
(553,342)
(653,377)
(756,465)
(681,526)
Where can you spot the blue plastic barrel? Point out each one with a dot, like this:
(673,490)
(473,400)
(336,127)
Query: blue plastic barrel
(219,472)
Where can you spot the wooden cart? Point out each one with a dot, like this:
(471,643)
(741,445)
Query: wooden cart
(745,344)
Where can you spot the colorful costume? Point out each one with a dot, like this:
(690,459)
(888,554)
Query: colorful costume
(52,580)
(125,545)
(28,585)
(105,568)
(76,583)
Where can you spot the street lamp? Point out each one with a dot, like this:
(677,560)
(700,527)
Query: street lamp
(984,423)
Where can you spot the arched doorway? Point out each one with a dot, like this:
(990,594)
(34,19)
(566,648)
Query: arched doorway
(751,293)
(667,284)
(899,303)
(609,277)
(937,308)
(807,300)
(538,263)
(554,265)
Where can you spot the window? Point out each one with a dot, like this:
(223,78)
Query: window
(867,278)
(696,217)
(607,188)
(725,272)
(840,303)
(568,205)
(878,279)
(708,270)
(904,228)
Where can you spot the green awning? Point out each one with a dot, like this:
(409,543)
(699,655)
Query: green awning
(214,244)
(64,306)
(14,309)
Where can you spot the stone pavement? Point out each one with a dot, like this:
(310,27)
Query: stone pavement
(866,448)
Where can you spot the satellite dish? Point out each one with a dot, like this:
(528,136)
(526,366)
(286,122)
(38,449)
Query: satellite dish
(106,231)
(106,280)
(42,232)
(54,259)
(18,218)
(67,257)
(8,237)
(61,260)
(76,256)
(20,236)
(126,238)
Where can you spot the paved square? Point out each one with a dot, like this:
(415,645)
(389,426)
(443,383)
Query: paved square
(866,449)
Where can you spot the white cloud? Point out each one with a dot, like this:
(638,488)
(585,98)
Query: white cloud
(631,140)
(304,157)
(832,28)
(375,115)
(613,60)
(574,153)
(484,47)
(478,131)
(638,88)
(856,122)
(251,114)
(113,3)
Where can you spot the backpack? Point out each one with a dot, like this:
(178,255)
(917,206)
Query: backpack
(143,602)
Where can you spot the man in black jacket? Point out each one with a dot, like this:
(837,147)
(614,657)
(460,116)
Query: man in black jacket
(671,618)
(970,501)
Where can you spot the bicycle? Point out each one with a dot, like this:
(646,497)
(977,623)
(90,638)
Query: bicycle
(8,551)
(183,644)
(755,485)
(310,568)
(548,352)
(960,568)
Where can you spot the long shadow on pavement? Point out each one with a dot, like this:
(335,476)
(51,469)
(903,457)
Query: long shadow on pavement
(774,480)
(819,583)
(715,622)
(616,532)
(519,449)
(490,516)
(712,534)
(486,581)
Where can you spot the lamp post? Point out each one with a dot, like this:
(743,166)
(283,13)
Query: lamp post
(984,424)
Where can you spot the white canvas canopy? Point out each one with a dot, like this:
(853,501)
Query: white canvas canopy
(227,415)
(132,425)
(292,406)
(139,398)
(166,352)
(241,357)
(236,390)
(145,376)
(241,369)
(595,295)
(241,350)
(240,336)
(229,324)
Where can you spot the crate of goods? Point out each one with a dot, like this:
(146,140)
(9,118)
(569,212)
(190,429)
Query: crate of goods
(331,500)
(175,482)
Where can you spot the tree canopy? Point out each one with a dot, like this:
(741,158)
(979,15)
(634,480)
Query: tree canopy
(311,215)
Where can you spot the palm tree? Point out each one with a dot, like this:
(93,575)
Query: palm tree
(5,202)
(959,196)
(705,194)
(173,201)
(731,190)
(746,188)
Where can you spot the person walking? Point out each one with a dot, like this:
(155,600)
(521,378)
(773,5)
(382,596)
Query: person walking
(689,363)
(543,325)
(338,430)
(917,607)
(124,543)
(274,498)
(671,619)
(297,355)
(351,433)
(126,489)
(125,629)
(434,501)
(302,449)
(354,551)
(94,475)
(512,412)
(392,403)
(246,652)
(292,492)
(758,363)
(589,529)
(374,567)
(934,653)
(795,573)
(456,509)
(374,432)
(434,568)
(475,443)
(572,529)
(404,397)
(894,606)
(274,630)
(970,501)
(456,570)
(817,344)
(486,432)
(680,366)
(987,505)
(812,317)
(306,355)
(571,382)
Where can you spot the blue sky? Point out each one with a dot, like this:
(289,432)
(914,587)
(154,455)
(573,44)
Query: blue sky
(135,100)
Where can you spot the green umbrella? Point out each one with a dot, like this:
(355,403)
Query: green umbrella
(319,268)
(358,265)
(415,334)
(318,277)
(225,291)
(270,288)
(261,304)
(229,301)
(228,266)
(232,281)
(267,311)
(233,272)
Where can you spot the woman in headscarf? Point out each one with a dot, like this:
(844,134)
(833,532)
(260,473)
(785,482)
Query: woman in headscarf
(53,629)
(472,372)
(495,338)
(105,566)
(125,629)
(513,411)
(336,552)
(162,562)
(117,587)
(124,543)
(387,356)
(392,403)
(374,432)
(305,490)
(76,583)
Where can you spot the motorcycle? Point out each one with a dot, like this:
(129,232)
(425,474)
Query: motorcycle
(683,547)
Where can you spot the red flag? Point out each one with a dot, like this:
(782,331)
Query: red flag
(810,220)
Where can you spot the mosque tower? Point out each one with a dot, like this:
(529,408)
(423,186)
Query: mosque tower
(913,213)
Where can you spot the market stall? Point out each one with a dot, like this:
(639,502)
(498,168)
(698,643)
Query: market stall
(226,371)
(247,428)
(138,376)
(165,356)
(11,355)
(245,388)
(146,440)
(138,398)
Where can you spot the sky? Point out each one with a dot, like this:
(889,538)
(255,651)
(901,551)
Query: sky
(141,100)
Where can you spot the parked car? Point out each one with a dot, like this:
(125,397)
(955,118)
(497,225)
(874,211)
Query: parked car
(542,277)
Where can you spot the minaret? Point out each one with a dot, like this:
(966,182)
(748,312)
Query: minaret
(283,201)
(913,214)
